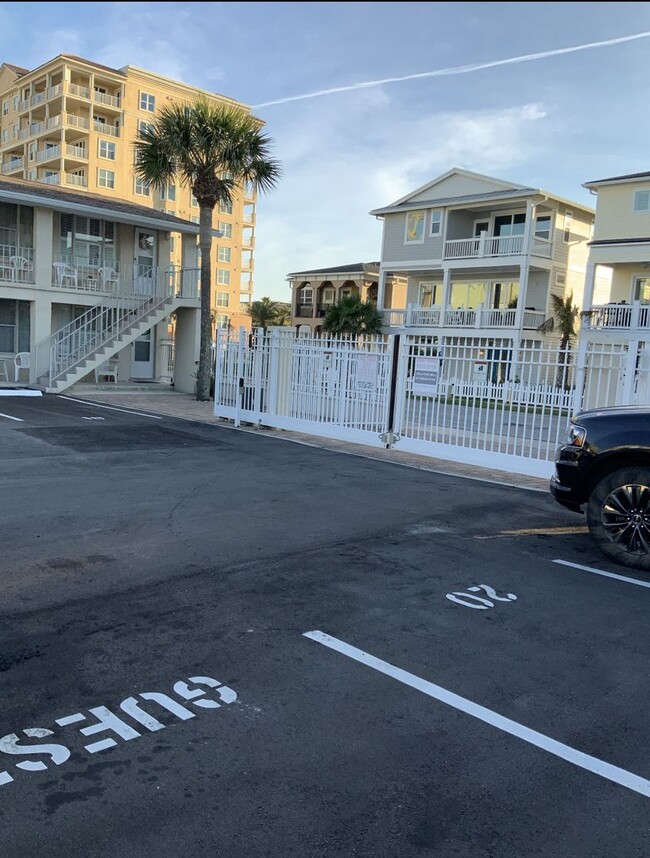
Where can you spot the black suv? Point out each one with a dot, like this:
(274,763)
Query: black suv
(605,464)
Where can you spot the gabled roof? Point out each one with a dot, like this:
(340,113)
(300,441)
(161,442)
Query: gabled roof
(628,177)
(354,268)
(36,193)
(17,69)
(505,190)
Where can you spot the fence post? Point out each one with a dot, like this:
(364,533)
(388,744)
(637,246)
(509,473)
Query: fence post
(258,359)
(579,375)
(272,392)
(240,374)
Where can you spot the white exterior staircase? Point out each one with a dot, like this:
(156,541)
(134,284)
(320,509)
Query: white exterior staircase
(117,320)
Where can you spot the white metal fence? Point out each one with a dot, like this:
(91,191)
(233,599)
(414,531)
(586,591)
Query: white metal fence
(498,403)
(336,387)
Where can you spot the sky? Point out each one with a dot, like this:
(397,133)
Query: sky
(552,122)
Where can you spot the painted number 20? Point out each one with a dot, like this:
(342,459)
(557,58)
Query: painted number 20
(479,602)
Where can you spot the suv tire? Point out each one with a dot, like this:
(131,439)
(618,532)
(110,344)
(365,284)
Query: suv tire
(618,516)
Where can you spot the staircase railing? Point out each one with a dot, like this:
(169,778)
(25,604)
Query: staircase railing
(57,354)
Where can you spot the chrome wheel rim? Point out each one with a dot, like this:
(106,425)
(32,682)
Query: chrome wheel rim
(626,518)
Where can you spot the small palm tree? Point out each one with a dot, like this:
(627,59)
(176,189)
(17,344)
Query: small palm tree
(352,316)
(565,314)
(264,313)
(283,315)
(212,150)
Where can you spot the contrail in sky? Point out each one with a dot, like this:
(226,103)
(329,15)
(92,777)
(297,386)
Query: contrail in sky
(526,58)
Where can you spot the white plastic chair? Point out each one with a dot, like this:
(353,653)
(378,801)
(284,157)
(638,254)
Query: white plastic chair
(64,274)
(21,361)
(109,277)
(107,370)
(22,268)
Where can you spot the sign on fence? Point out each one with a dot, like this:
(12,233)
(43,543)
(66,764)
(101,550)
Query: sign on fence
(425,377)
(367,371)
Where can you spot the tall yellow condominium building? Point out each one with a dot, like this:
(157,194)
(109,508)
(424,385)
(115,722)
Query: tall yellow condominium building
(73,122)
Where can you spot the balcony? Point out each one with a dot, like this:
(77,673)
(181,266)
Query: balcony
(53,179)
(79,153)
(305,311)
(486,247)
(104,98)
(40,97)
(481,317)
(12,166)
(16,264)
(77,91)
(75,272)
(76,180)
(622,317)
(106,128)
(48,154)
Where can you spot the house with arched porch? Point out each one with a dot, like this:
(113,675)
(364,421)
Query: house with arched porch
(314,291)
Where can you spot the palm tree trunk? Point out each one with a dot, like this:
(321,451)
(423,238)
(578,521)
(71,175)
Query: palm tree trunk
(205,351)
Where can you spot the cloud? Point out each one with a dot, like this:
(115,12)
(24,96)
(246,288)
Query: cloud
(339,164)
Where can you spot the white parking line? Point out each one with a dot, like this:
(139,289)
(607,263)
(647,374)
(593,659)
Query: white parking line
(111,408)
(605,574)
(558,749)
(9,417)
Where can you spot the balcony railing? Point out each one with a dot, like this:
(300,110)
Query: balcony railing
(105,128)
(55,91)
(52,179)
(48,153)
(305,311)
(74,179)
(103,98)
(79,91)
(542,247)
(37,98)
(77,121)
(480,317)
(12,166)
(484,246)
(16,264)
(79,152)
(617,316)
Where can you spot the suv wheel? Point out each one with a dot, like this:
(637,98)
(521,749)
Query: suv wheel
(618,516)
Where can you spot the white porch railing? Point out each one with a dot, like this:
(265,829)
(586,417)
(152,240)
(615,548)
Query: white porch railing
(16,264)
(484,246)
(12,166)
(77,121)
(76,151)
(617,316)
(75,89)
(74,179)
(542,247)
(481,317)
(105,128)
(53,179)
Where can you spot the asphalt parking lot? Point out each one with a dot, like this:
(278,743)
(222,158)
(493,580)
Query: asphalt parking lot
(223,643)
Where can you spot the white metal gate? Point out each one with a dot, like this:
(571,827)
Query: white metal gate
(498,403)
(337,387)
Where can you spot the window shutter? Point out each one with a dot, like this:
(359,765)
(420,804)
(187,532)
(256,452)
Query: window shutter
(642,201)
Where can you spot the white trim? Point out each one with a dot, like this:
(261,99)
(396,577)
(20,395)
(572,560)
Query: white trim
(424,226)
(483,220)
(468,174)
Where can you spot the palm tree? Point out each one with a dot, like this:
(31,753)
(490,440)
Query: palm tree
(352,316)
(212,150)
(263,313)
(565,314)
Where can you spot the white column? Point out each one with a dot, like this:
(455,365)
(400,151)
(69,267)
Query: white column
(521,298)
(528,227)
(43,246)
(590,283)
(381,289)
(446,293)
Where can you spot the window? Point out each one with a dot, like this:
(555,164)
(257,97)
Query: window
(14,130)
(223,277)
(5,135)
(141,187)
(223,254)
(568,220)
(87,239)
(430,294)
(223,321)
(436,222)
(543,226)
(560,279)
(16,102)
(642,201)
(14,326)
(105,178)
(225,208)
(306,296)
(642,289)
(147,102)
(168,192)
(144,126)
(106,149)
(414,228)
(195,219)
(5,108)
(225,229)
(193,201)
(244,299)
(223,299)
